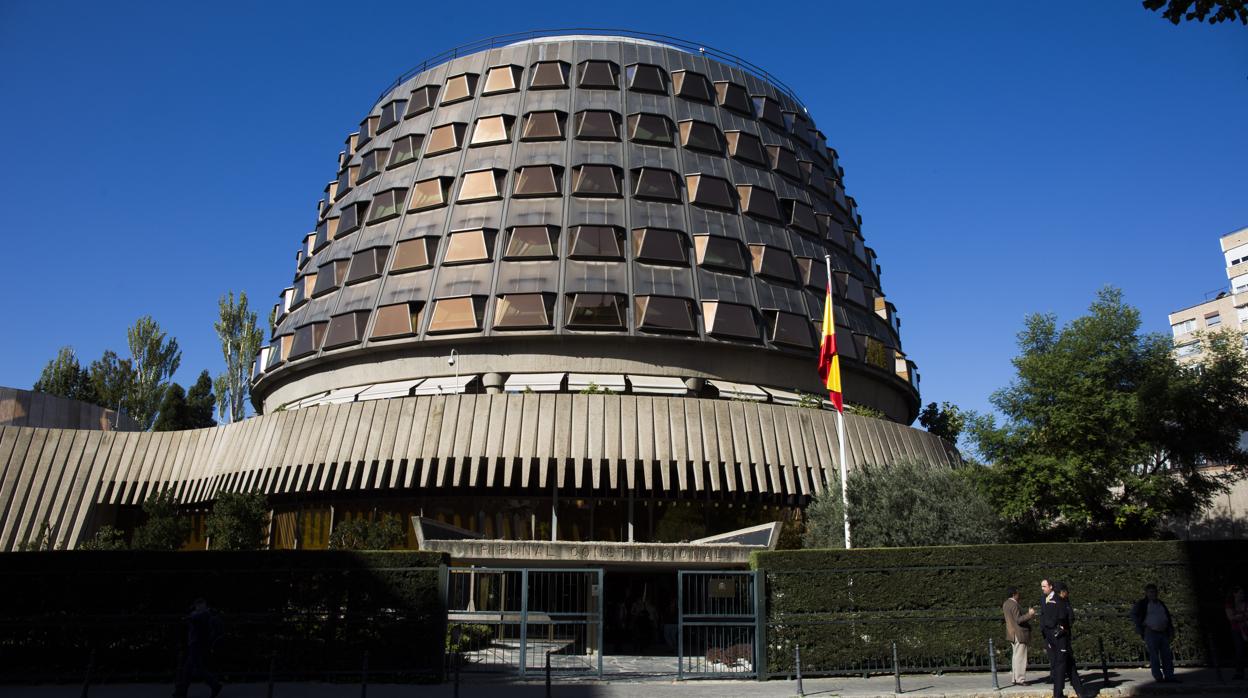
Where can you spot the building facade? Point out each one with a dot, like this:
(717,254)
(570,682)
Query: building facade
(563,289)
(1229,309)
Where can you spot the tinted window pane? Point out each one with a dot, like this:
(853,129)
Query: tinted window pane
(643,77)
(773,262)
(713,192)
(387,204)
(391,113)
(423,99)
(430,193)
(598,75)
(766,109)
(482,185)
(691,85)
(530,241)
(595,180)
(329,277)
(791,329)
(729,320)
(656,184)
(307,340)
(455,315)
(538,180)
(405,150)
(596,242)
(760,202)
(595,311)
(785,162)
(801,216)
(410,255)
(502,78)
(346,329)
(660,246)
(700,135)
(653,129)
(397,320)
(720,253)
(459,87)
(597,125)
(467,246)
(367,264)
(522,310)
(746,146)
(372,163)
(490,130)
(664,313)
(542,126)
(445,138)
(549,75)
(732,96)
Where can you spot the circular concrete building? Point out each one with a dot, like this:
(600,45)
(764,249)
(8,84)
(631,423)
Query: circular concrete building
(630,214)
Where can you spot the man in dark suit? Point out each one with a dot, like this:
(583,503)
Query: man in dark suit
(1057,618)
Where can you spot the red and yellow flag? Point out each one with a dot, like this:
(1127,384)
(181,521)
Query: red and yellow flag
(829,362)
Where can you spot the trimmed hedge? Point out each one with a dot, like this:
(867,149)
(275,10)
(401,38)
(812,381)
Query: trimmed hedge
(313,614)
(942,604)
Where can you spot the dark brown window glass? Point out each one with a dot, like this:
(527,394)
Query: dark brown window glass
(651,129)
(303,290)
(791,329)
(595,242)
(801,216)
(656,184)
(596,181)
(430,193)
(700,135)
(759,202)
(643,77)
(773,263)
(329,277)
(598,75)
(350,218)
(729,320)
(322,236)
(469,246)
(414,254)
(595,311)
(746,146)
(720,253)
(307,340)
(459,88)
(812,272)
(346,180)
(785,162)
(423,99)
(807,167)
(712,192)
(660,246)
(386,205)
(346,329)
(500,79)
(691,85)
(445,138)
(367,264)
(664,314)
(491,130)
(531,242)
(732,96)
(481,185)
(391,114)
(405,150)
(372,163)
(597,125)
(368,129)
(516,311)
(765,108)
(456,315)
(397,320)
(549,75)
(542,126)
(538,180)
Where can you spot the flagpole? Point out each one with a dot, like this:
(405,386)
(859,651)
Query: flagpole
(840,425)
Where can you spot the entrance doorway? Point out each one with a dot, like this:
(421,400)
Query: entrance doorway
(641,615)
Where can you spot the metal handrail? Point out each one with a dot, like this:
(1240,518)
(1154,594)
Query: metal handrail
(516,37)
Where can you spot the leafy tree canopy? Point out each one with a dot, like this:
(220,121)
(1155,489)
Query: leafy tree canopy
(1104,434)
(240,337)
(154,359)
(1211,11)
(201,403)
(64,377)
(107,538)
(165,528)
(945,420)
(237,521)
(361,534)
(903,505)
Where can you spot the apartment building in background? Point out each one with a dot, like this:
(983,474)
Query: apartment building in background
(1228,309)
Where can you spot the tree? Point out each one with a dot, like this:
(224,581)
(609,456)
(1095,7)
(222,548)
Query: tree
(63,376)
(173,410)
(945,420)
(154,360)
(1211,11)
(201,403)
(107,538)
(165,528)
(113,380)
(237,521)
(361,534)
(1104,433)
(908,504)
(240,341)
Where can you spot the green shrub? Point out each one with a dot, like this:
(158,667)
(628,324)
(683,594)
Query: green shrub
(361,534)
(467,637)
(237,521)
(165,528)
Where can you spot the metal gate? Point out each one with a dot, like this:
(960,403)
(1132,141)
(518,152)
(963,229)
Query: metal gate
(719,619)
(515,619)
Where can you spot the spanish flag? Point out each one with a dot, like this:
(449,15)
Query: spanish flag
(829,362)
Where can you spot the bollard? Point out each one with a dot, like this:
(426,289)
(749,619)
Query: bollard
(364,677)
(86,676)
(797,649)
(896,670)
(272,671)
(992,662)
(1104,664)
(548,673)
(458,659)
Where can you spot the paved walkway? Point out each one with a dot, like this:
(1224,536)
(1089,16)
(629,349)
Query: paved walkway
(1123,682)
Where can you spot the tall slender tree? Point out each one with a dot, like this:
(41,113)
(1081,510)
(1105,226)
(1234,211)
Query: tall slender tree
(154,359)
(112,377)
(240,340)
(201,403)
(65,377)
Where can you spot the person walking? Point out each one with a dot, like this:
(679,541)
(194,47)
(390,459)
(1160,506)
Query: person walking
(1154,625)
(1018,632)
(203,627)
(1237,616)
(1057,619)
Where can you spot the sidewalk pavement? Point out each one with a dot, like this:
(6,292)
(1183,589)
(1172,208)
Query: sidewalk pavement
(1123,682)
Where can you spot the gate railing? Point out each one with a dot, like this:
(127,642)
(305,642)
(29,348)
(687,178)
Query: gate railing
(719,623)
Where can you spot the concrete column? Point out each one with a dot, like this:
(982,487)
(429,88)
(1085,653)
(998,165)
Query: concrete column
(493,383)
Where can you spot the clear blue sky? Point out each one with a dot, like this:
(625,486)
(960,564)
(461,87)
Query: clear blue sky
(1007,157)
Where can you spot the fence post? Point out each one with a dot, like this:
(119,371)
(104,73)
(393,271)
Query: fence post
(272,671)
(1213,658)
(364,677)
(760,625)
(86,676)
(548,673)
(1100,641)
(458,660)
(797,652)
(896,669)
(992,662)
